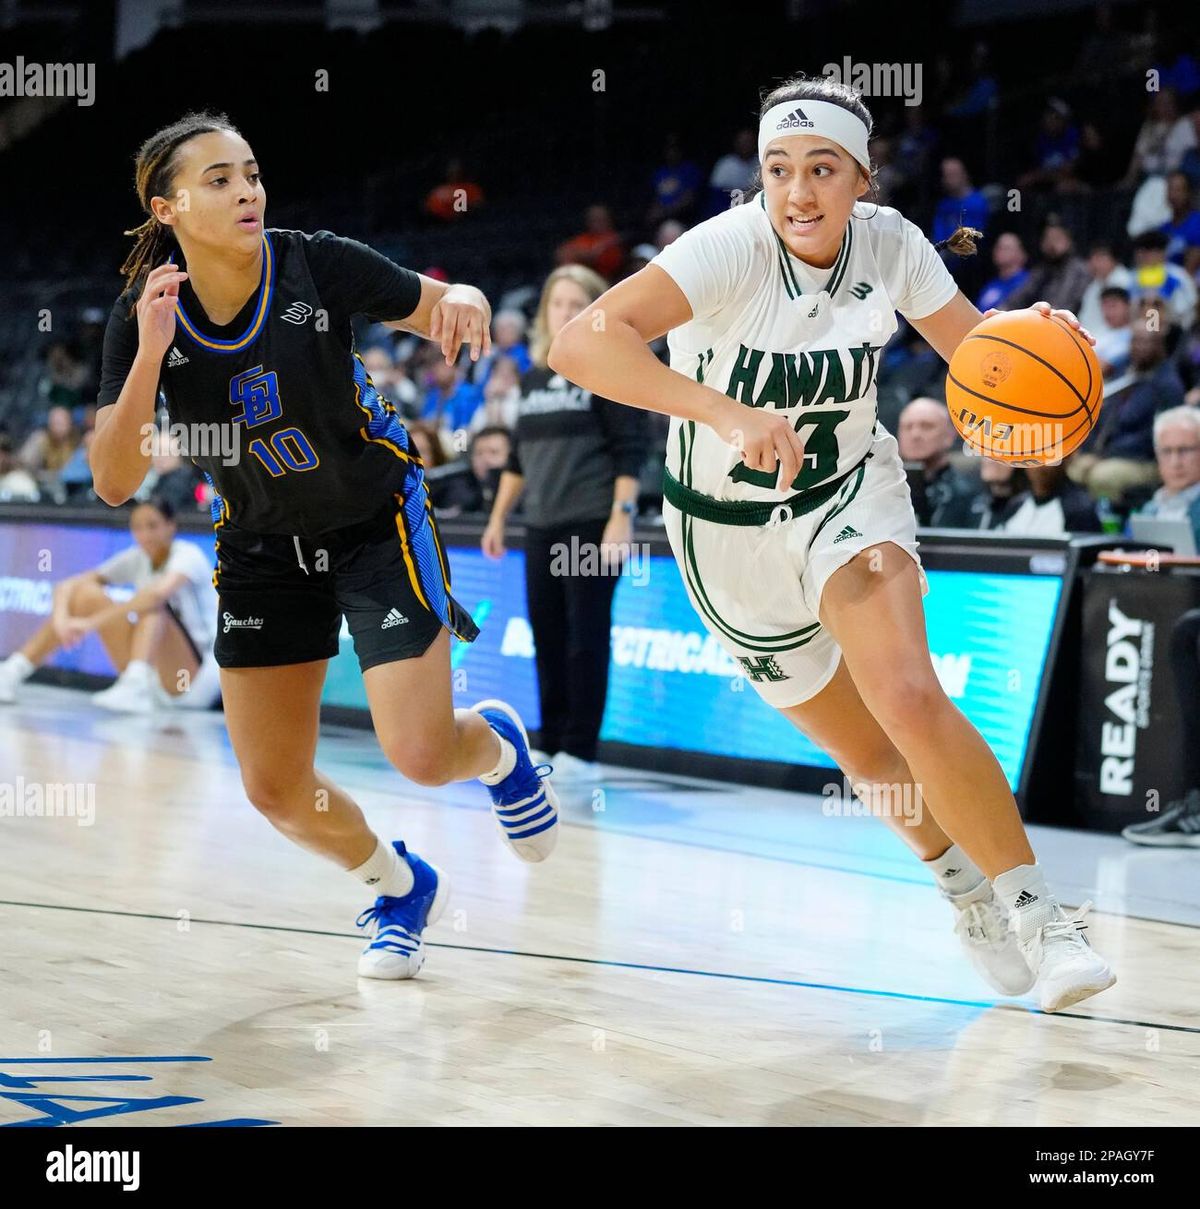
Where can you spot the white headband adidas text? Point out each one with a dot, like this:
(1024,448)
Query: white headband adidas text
(821,118)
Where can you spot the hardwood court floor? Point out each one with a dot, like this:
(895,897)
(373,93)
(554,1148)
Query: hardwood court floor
(693,953)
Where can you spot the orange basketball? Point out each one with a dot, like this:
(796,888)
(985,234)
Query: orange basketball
(1024,388)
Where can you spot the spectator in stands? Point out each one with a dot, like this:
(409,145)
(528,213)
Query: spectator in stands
(1119,452)
(1161,142)
(160,641)
(1177,449)
(982,92)
(1056,149)
(1177,444)
(1010,258)
(47,450)
(16,483)
(456,196)
(171,477)
(451,401)
(1001,483)
(468,485)
(509,328)
(962,205)
(428,443)
(1105,270)
(1053,505)
(501,393)
(65,376)
(1183,229)
(1190,164)
(926,436)
(75,477)
(391,380)
(1114,332)
(598,246)
(1060,277)
(734,174)
(676,187)
(1098,165)
(1159,284)
(576,458)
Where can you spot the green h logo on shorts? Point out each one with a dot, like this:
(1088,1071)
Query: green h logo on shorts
(762,668)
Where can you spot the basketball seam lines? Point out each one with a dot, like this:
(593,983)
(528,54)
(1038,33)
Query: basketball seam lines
(1041,360)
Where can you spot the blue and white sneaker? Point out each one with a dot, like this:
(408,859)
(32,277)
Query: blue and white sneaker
(396,949)
(524,804)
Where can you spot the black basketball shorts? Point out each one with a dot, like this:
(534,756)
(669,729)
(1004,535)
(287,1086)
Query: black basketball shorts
(281,598)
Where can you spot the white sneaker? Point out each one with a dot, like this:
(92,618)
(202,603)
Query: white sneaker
(1069,969)
(137,691)
(13,671)
(571,770)
(983,928)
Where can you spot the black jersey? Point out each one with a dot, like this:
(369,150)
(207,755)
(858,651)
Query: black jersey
(316,447)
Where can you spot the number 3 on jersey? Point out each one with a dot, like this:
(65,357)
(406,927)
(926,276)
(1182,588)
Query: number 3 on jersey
(257,393)
(820,454)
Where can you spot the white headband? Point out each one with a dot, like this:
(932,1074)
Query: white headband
(821,118)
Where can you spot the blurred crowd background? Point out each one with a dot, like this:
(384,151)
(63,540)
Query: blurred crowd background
(493,146)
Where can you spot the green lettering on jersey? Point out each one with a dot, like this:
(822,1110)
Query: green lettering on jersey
(744,374)
(805,372)
(820,454)
(775,389)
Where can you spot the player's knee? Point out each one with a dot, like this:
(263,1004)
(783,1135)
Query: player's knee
(272,796)
(906,702)
(424,764)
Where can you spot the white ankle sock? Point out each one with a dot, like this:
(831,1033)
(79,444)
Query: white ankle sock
(385,872)
(955,873)
(1023,891)
(137,670)
(508,761)
(19,666)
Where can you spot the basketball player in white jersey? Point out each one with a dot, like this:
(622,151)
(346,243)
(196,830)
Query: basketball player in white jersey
(789,514)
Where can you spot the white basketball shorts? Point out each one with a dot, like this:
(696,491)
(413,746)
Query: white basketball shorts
(758,588)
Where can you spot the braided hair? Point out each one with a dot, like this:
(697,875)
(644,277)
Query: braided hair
(154,175)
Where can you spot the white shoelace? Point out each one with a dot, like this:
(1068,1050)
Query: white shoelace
(982,922)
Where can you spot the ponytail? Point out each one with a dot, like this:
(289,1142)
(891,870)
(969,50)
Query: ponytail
(961,243)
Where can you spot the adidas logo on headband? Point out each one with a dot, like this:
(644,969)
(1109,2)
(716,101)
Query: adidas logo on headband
(795,120)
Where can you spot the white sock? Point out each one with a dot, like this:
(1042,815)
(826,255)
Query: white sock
(508,761)
(137,670)
(956,874)
(1023,891)
(385,872)
(19,666)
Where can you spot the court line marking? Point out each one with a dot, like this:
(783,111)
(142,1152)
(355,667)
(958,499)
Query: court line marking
(758,979)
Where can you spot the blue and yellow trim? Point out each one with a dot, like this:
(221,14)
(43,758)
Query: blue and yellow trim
(266,292)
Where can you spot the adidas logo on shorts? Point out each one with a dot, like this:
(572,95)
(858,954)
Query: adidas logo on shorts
(394,617)
(848,531)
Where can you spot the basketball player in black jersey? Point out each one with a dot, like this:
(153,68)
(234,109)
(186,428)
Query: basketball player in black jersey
(323,512)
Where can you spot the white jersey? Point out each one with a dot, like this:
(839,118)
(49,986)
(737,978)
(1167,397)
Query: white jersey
(194,602)
(771,331)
